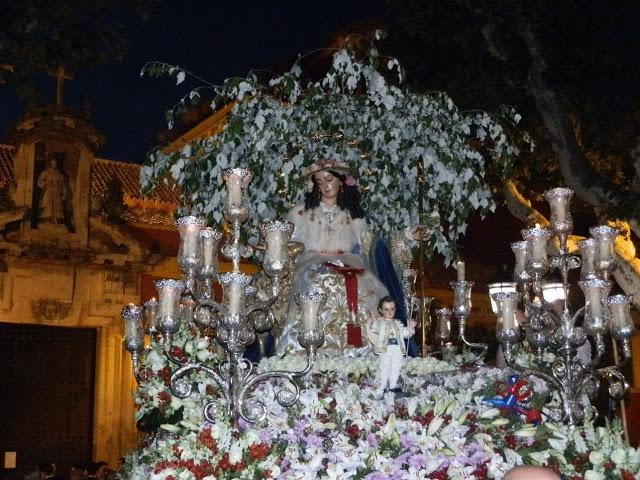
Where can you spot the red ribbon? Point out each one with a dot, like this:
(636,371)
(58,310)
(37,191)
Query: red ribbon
(350,274)
(350,282)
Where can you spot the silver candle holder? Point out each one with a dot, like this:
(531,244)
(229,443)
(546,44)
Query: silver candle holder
(461,311)
(555,327)
(232,323)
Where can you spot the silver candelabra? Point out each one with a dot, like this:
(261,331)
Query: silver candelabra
(461,311)
(553,326)
(236,319)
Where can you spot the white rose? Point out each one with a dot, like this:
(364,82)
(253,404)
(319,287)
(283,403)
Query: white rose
(185,475)
(618,456)
(596,458)
(592,474)
(559,444)
(235,453)
(492,412)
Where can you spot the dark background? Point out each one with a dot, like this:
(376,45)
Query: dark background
(213,39)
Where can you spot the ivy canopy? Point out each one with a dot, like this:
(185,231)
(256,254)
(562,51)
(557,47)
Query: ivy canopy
(359,113)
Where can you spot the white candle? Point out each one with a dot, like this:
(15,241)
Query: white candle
(508,315)
(132,326)
(275,246)
(169,292)
(588,252)
(207,246)
(618,314)
(234,187)
(166,303)
(558,208)
(152,313)
(236,292)
(444,326)
(190,239)
(460,269)
(310,315)
(209,239)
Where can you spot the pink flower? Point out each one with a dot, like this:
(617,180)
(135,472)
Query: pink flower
(350,181)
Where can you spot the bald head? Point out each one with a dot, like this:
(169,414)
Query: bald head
(527,472)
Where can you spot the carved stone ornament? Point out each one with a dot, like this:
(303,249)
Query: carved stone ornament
(49,309)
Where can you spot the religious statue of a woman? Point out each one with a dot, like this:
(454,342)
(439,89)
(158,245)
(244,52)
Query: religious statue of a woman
(339,259)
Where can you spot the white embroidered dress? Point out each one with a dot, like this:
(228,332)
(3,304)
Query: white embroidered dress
(330,235)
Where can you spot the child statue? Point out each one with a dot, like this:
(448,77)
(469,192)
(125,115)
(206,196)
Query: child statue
(387,335)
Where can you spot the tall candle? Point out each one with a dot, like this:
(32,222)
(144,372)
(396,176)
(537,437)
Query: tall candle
(310,315)
(234,187)
(310,303)
(236,291)
(595,292)
(508,315)
(588,253)
(559,200)
(191,239)
(619,311)
(133,328)
(506,302)
(604,237)
(460,269)
(169,292)
(443,328)
(622,326)
(520,251)
(151,309)
(210,239)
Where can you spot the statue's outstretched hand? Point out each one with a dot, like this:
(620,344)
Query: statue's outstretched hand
(419,232)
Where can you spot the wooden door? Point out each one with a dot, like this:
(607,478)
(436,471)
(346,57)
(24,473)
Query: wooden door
(46,394)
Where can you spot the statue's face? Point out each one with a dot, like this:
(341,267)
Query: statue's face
(53,163)
(328,184)
(388,310)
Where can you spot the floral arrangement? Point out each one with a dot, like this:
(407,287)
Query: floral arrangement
(358,113)
(443,428)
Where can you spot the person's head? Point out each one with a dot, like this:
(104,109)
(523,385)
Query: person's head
(528,472)
(102,468)
(32,473)
(334,183)
(387,307)
(329,184)
(47,468)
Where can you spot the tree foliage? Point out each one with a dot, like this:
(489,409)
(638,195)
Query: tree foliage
(589,64)
(357,112)
(38,36)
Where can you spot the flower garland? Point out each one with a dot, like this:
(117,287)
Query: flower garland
(338,430)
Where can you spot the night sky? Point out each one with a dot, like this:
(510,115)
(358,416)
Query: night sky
(213,39)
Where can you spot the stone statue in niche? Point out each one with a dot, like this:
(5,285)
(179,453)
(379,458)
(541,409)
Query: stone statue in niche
(54,206)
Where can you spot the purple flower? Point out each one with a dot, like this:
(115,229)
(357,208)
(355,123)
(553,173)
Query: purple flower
(242,424)
(290,437)
(314,441)
(265,436)
(406,440)
(299,427)
(417,461)
(372,440)
(376,476)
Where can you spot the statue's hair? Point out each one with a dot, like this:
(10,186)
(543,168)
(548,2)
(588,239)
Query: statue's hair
(348,196)
(385,299)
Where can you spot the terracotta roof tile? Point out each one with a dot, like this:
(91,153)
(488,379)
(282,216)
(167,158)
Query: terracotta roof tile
(148,217)
(128,174)
(153,210)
